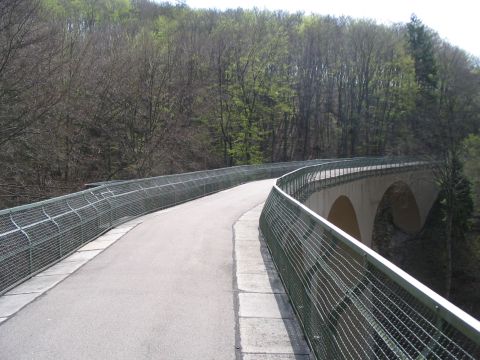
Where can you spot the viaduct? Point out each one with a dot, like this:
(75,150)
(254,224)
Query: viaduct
(261,262)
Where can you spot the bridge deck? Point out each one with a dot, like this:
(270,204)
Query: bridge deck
(163,291)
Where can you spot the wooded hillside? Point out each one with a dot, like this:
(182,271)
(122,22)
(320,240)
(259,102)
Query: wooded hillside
(99,90)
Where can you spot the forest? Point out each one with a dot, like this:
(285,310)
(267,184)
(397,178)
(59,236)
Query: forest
(120,89)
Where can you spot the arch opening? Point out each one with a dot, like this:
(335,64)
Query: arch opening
(397,220)
(404,208)
(342,214)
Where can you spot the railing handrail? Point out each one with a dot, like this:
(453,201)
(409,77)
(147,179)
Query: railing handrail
(35,236)
(114,183)
(290,186)
(460,319)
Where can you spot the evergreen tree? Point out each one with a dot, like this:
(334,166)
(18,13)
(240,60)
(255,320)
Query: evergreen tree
(424,119)
(457,208)
(422,51)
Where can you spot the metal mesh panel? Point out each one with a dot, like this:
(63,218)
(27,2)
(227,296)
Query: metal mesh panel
(35,236)
(351,302)
(14,252)
(6,224)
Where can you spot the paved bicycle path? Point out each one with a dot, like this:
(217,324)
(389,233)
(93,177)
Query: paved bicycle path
(162,291)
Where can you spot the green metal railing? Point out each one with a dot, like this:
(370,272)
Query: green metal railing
(351,302)
(35,236)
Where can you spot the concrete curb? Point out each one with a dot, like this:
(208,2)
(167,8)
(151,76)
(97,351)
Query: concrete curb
(268,328)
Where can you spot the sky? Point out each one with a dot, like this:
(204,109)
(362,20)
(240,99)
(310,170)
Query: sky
(457,21)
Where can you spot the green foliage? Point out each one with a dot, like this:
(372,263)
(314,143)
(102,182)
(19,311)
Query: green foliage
(89,12)
(455,195)
(421,48)
(425,116)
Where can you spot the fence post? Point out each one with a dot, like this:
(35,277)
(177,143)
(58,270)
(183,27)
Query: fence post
(30,250)
(58,228)
(79,217)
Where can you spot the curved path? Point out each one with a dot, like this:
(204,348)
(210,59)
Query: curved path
(162,291)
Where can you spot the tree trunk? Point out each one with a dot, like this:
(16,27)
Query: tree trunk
(448,244)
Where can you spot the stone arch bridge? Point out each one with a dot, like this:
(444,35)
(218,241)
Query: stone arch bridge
(185,267)
(353,205)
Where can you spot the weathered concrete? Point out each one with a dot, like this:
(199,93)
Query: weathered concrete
(162,291)
(245,251)
(261,283)
(98,245)
(37,284)
(272,336)
(275,357)
(255,266)
(264,305)
(10,304)
(83,255)
(62,267)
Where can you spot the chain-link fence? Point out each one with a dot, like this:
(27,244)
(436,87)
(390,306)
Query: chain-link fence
(33,237)
(353,303)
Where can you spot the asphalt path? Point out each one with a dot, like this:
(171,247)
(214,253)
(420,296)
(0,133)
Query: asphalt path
(163,291)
